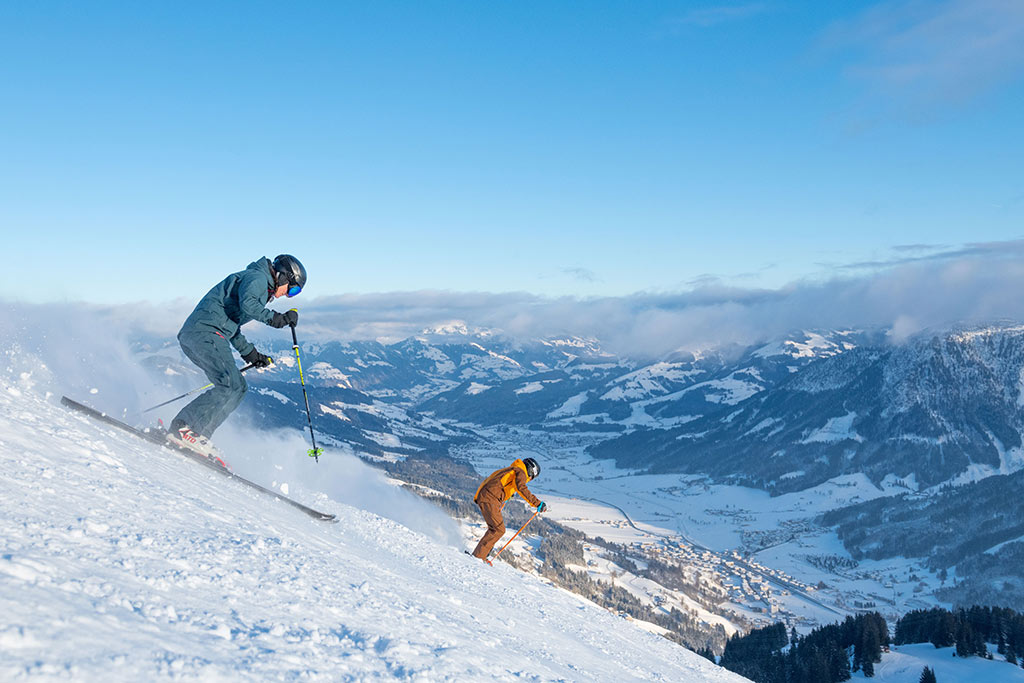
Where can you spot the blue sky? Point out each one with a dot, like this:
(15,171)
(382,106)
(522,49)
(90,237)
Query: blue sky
(560,149)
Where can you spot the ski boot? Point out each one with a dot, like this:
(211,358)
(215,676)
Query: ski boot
(183,437)
(479,558)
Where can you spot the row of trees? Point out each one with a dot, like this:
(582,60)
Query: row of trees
(832,653)
(822,656)
(969,630)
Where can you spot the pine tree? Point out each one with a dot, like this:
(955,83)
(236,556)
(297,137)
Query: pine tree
(978,645)
(839,666)
(964,640)
(872,640)
(792,665)
(817,667)
(943,630)
(927,676)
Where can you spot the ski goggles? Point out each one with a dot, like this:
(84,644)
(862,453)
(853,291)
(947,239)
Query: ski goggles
(293,290)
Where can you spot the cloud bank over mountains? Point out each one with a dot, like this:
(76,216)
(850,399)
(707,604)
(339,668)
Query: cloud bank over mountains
(964,285)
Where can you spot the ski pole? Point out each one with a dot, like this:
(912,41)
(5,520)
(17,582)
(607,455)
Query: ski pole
(189,393)
(516,534)
(314,452)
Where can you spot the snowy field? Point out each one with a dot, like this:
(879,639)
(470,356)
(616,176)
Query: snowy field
(123,561)
(904,665)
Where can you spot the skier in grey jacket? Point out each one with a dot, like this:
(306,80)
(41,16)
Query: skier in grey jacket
(215,323)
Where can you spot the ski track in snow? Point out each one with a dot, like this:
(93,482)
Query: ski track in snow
(124,561)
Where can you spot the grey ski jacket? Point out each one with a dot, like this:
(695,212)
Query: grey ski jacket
(237,299)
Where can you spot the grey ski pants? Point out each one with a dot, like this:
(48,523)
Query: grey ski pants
(212,353)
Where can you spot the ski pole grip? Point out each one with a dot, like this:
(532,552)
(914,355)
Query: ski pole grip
(295,340)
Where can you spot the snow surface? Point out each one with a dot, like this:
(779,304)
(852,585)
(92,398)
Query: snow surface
(570,408)
(274,394)
(124,561)
(326,371)
(647,381)
(835,429)
(905,663)
(726,391)
(732,390)
(530,388)
(814,345)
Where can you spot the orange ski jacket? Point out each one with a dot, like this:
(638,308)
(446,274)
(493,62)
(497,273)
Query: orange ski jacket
(504,483)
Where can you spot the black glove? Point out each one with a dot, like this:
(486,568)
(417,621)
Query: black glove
(542,507)
(287,318)
(257,359)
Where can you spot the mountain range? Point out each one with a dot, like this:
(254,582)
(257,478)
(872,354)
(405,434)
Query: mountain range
(917,417)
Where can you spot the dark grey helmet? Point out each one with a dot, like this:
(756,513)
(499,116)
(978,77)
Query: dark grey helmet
(532,468)
(290,271)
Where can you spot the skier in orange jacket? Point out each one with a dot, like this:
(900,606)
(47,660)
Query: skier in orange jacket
(497,489)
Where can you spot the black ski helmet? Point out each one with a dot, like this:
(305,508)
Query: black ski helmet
(289,271)
(532,468)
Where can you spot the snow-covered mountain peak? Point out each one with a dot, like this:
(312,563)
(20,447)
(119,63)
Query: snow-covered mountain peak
(577,344)
(808,344)
(457,328)
(967,336)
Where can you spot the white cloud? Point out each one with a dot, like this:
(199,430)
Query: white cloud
(706,17)
(921,54)
(972,283)
(582,274)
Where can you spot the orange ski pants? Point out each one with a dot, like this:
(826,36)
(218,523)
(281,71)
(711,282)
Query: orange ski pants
(491,510)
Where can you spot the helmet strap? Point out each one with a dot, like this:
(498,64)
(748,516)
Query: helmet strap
(277,277)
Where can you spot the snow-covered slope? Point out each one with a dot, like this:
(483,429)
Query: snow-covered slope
(906,662)
(123,561)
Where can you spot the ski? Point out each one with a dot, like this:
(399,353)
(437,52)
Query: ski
(157,437)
